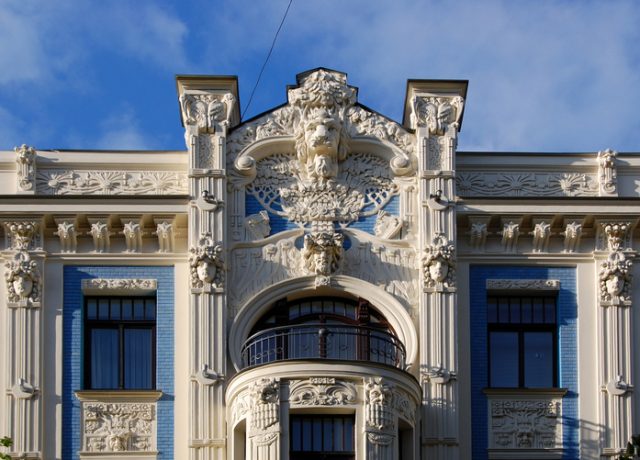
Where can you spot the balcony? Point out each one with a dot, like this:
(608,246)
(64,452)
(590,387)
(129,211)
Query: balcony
(323,341)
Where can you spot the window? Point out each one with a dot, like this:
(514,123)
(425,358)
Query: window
(322,437)
(523,351)
(119,343)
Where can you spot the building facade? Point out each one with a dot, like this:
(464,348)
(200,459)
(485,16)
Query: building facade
(319,281)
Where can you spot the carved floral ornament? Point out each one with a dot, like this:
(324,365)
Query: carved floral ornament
(322,391)
(23,280)
(437,113)
(118,427)
(438,265)
(22,236)
(116,285)
(321,181)
(615,280)
(206,110)
(207,265)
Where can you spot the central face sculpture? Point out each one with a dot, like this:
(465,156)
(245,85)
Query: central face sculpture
(438,270)
(319,144)
(206,271)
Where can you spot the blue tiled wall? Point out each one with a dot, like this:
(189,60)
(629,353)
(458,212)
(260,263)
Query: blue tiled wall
(568,349)
(73,350)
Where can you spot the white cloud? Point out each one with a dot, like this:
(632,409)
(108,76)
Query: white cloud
(121,131)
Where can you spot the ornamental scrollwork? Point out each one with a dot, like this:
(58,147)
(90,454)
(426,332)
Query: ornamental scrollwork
(26,161)
(524,424)
(77,182)
(615,280)
(322,391)
(23,280)
(118,427)
(438,265)
(515,184)
(207,265)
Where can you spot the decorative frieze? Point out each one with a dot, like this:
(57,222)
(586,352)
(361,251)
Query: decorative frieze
(118,427)
(607,173)
(521,183)
(525,423)
(106,182)
(207,265)
(26,162)
(438,265)
(322,391)
(117,286)
(22,280)
(522,285)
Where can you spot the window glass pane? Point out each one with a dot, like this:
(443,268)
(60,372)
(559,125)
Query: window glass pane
(503,310)
(317,435)
(104,359)
(138,358)
(296,434)
(550,310)
(92,309)
(538,359)
(103,309)
(307,434)
(504,359)
(515,310)
(127,309)
(526,310)
(115,309)
(317,307)
(538,310)
(138,309)
(338,435)
(492,310)
(348,434)
(150,309)
(328,434)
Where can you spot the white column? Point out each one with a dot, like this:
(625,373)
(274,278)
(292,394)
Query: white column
(208,107)
(436,114)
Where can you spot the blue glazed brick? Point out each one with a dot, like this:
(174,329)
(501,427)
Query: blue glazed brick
(73,350)
(568,349)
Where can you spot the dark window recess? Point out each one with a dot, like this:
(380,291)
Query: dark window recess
(523,342)
(120,343)
(322,437)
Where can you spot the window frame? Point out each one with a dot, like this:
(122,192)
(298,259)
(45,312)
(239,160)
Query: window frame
(522,328)
(321,454)
(121,325)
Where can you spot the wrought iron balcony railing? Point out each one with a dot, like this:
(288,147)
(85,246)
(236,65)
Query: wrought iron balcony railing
(323,341)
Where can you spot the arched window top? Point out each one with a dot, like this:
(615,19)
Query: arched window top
(322,310)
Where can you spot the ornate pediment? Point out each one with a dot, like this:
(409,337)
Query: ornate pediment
(320,173)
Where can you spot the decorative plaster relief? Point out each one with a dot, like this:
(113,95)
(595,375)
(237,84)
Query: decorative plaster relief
(524,424)
(205,110)
(510,233)
(166,235)
(22,280)
(101,234)
(613,235)
(437,113)
(322,255)
(130,286)
(478,235)
(572,234)
(514,184)
(77,182)
(206,157)
(607,173)
(438,265)
(265,398)
(132,232)
(322,391)
(379,411)
(26,161)
(207,265)
(541,233)
(22,236)
(523,285)
(365,123)
(615,280)
(387,225)
(118,427)
(257,225)
(68,236)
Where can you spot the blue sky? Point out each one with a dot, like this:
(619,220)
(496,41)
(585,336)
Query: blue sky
(543,75)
